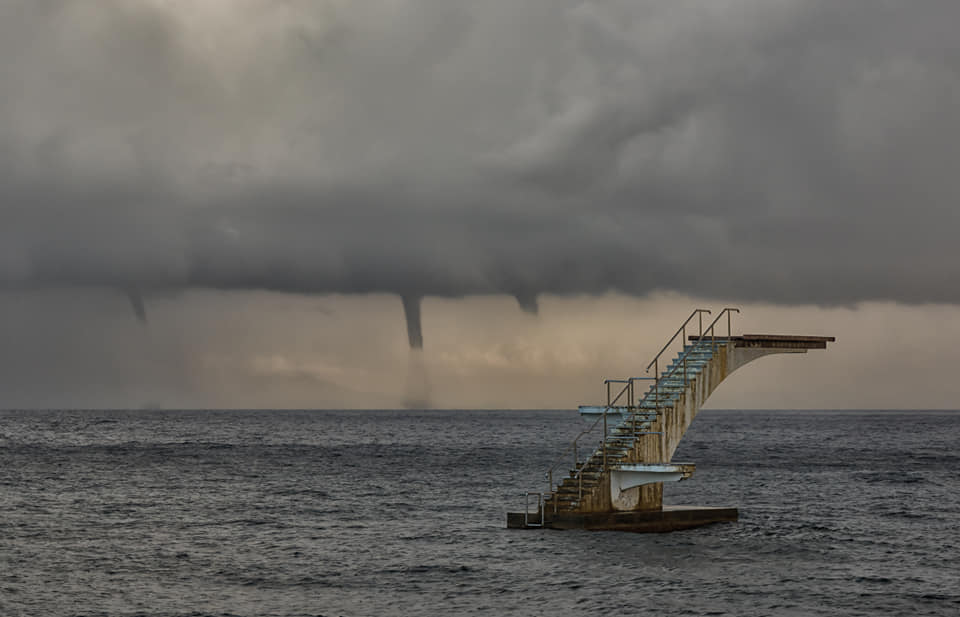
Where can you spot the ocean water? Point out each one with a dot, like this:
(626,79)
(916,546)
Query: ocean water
(283,513)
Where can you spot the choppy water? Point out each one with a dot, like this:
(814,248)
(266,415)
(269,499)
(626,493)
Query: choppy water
(402,513)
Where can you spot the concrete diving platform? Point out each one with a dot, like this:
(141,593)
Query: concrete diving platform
(611,476)
(669,518)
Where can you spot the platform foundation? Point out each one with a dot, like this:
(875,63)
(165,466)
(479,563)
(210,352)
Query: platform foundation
(670,518)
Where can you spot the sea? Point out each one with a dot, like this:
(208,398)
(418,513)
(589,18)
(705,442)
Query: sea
(356,513)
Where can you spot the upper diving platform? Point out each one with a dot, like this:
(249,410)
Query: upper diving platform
(771,341)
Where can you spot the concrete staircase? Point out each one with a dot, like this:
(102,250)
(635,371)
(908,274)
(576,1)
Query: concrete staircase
(635,436)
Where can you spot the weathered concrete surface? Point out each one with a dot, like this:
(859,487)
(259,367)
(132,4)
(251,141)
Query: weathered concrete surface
(669,518)
(627,476)
(593,506)
(782,341)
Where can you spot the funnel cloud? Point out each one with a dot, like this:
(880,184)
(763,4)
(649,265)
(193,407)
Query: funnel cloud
(411,312)
(137,304)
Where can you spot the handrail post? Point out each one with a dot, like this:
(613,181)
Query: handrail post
(656,384)
(663,444)
(730,311)
(605,432)
(696,313)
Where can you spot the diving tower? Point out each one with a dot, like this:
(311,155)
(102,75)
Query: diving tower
(619,486)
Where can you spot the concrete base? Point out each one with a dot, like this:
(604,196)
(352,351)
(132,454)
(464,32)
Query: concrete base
(670,518)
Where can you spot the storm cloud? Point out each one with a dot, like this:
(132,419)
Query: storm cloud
(787,151)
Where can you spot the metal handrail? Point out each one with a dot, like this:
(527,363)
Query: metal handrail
(573,445)
(710,328)
(541,499)
(682,328)
(578,475)
(682,360)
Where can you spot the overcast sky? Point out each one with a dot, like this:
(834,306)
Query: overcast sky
(242,172)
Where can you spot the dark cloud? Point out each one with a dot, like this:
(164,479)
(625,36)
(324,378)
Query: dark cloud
(794,151)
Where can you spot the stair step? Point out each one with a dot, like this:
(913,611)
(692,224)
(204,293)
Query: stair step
(573,490)
(591,479)
(628,432)
(651,401)
(565,493)
(677,369)
(574,487)
(627,425)
(677,376)
(693,361)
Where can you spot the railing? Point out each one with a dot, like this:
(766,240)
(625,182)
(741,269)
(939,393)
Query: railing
(629,390)
(578,469)
(681,330)
(713,336)
(682,360)
(541,499)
